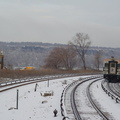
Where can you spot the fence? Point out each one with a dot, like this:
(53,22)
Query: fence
(117,99)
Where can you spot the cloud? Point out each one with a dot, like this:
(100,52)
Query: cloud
(59,21)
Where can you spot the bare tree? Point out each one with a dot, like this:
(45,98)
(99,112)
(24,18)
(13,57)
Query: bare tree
(53,60)
(81,43)
(68,57)
(98,59)
(61,57)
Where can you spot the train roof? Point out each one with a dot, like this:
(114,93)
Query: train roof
(106,60)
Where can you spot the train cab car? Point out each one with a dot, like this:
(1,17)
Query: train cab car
(111,70)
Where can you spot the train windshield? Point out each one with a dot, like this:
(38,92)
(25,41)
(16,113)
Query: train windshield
(106,65)
(112,64)
(118,65)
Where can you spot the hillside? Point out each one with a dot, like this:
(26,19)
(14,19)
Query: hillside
(21,54)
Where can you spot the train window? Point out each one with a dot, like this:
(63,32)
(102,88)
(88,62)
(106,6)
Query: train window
(118,65)
(106,65)
(112,64)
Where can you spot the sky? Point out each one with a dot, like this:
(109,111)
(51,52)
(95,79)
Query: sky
(58,21)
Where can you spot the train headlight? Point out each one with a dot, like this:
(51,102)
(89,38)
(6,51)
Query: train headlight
(118,73)
(105,72)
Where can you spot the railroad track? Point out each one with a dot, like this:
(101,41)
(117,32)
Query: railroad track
(5,88)
(18,83)
(7,85)
(112,89)
(100,112)
(73,104)
(78,103)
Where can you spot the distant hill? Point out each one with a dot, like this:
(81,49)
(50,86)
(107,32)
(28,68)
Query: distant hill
(22,54)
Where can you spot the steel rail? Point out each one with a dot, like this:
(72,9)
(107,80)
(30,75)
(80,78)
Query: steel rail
(72,99)
(19,85)
(110,92)
(15,81)
(113,90)
(73,105)
(93,103)
(31,81)
(66,89)
(16,84)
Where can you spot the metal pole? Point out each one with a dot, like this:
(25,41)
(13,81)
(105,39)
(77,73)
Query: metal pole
(48,82)
(35,87)
(17,99)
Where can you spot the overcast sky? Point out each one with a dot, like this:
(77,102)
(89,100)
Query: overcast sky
(58,21)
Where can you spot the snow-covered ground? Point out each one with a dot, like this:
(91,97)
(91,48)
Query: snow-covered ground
(33,105)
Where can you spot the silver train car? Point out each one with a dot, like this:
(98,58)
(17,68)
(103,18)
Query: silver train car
(111,70)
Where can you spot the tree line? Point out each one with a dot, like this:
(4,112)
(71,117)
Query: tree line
(65,57)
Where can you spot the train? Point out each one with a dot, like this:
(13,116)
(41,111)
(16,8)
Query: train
(111,70)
